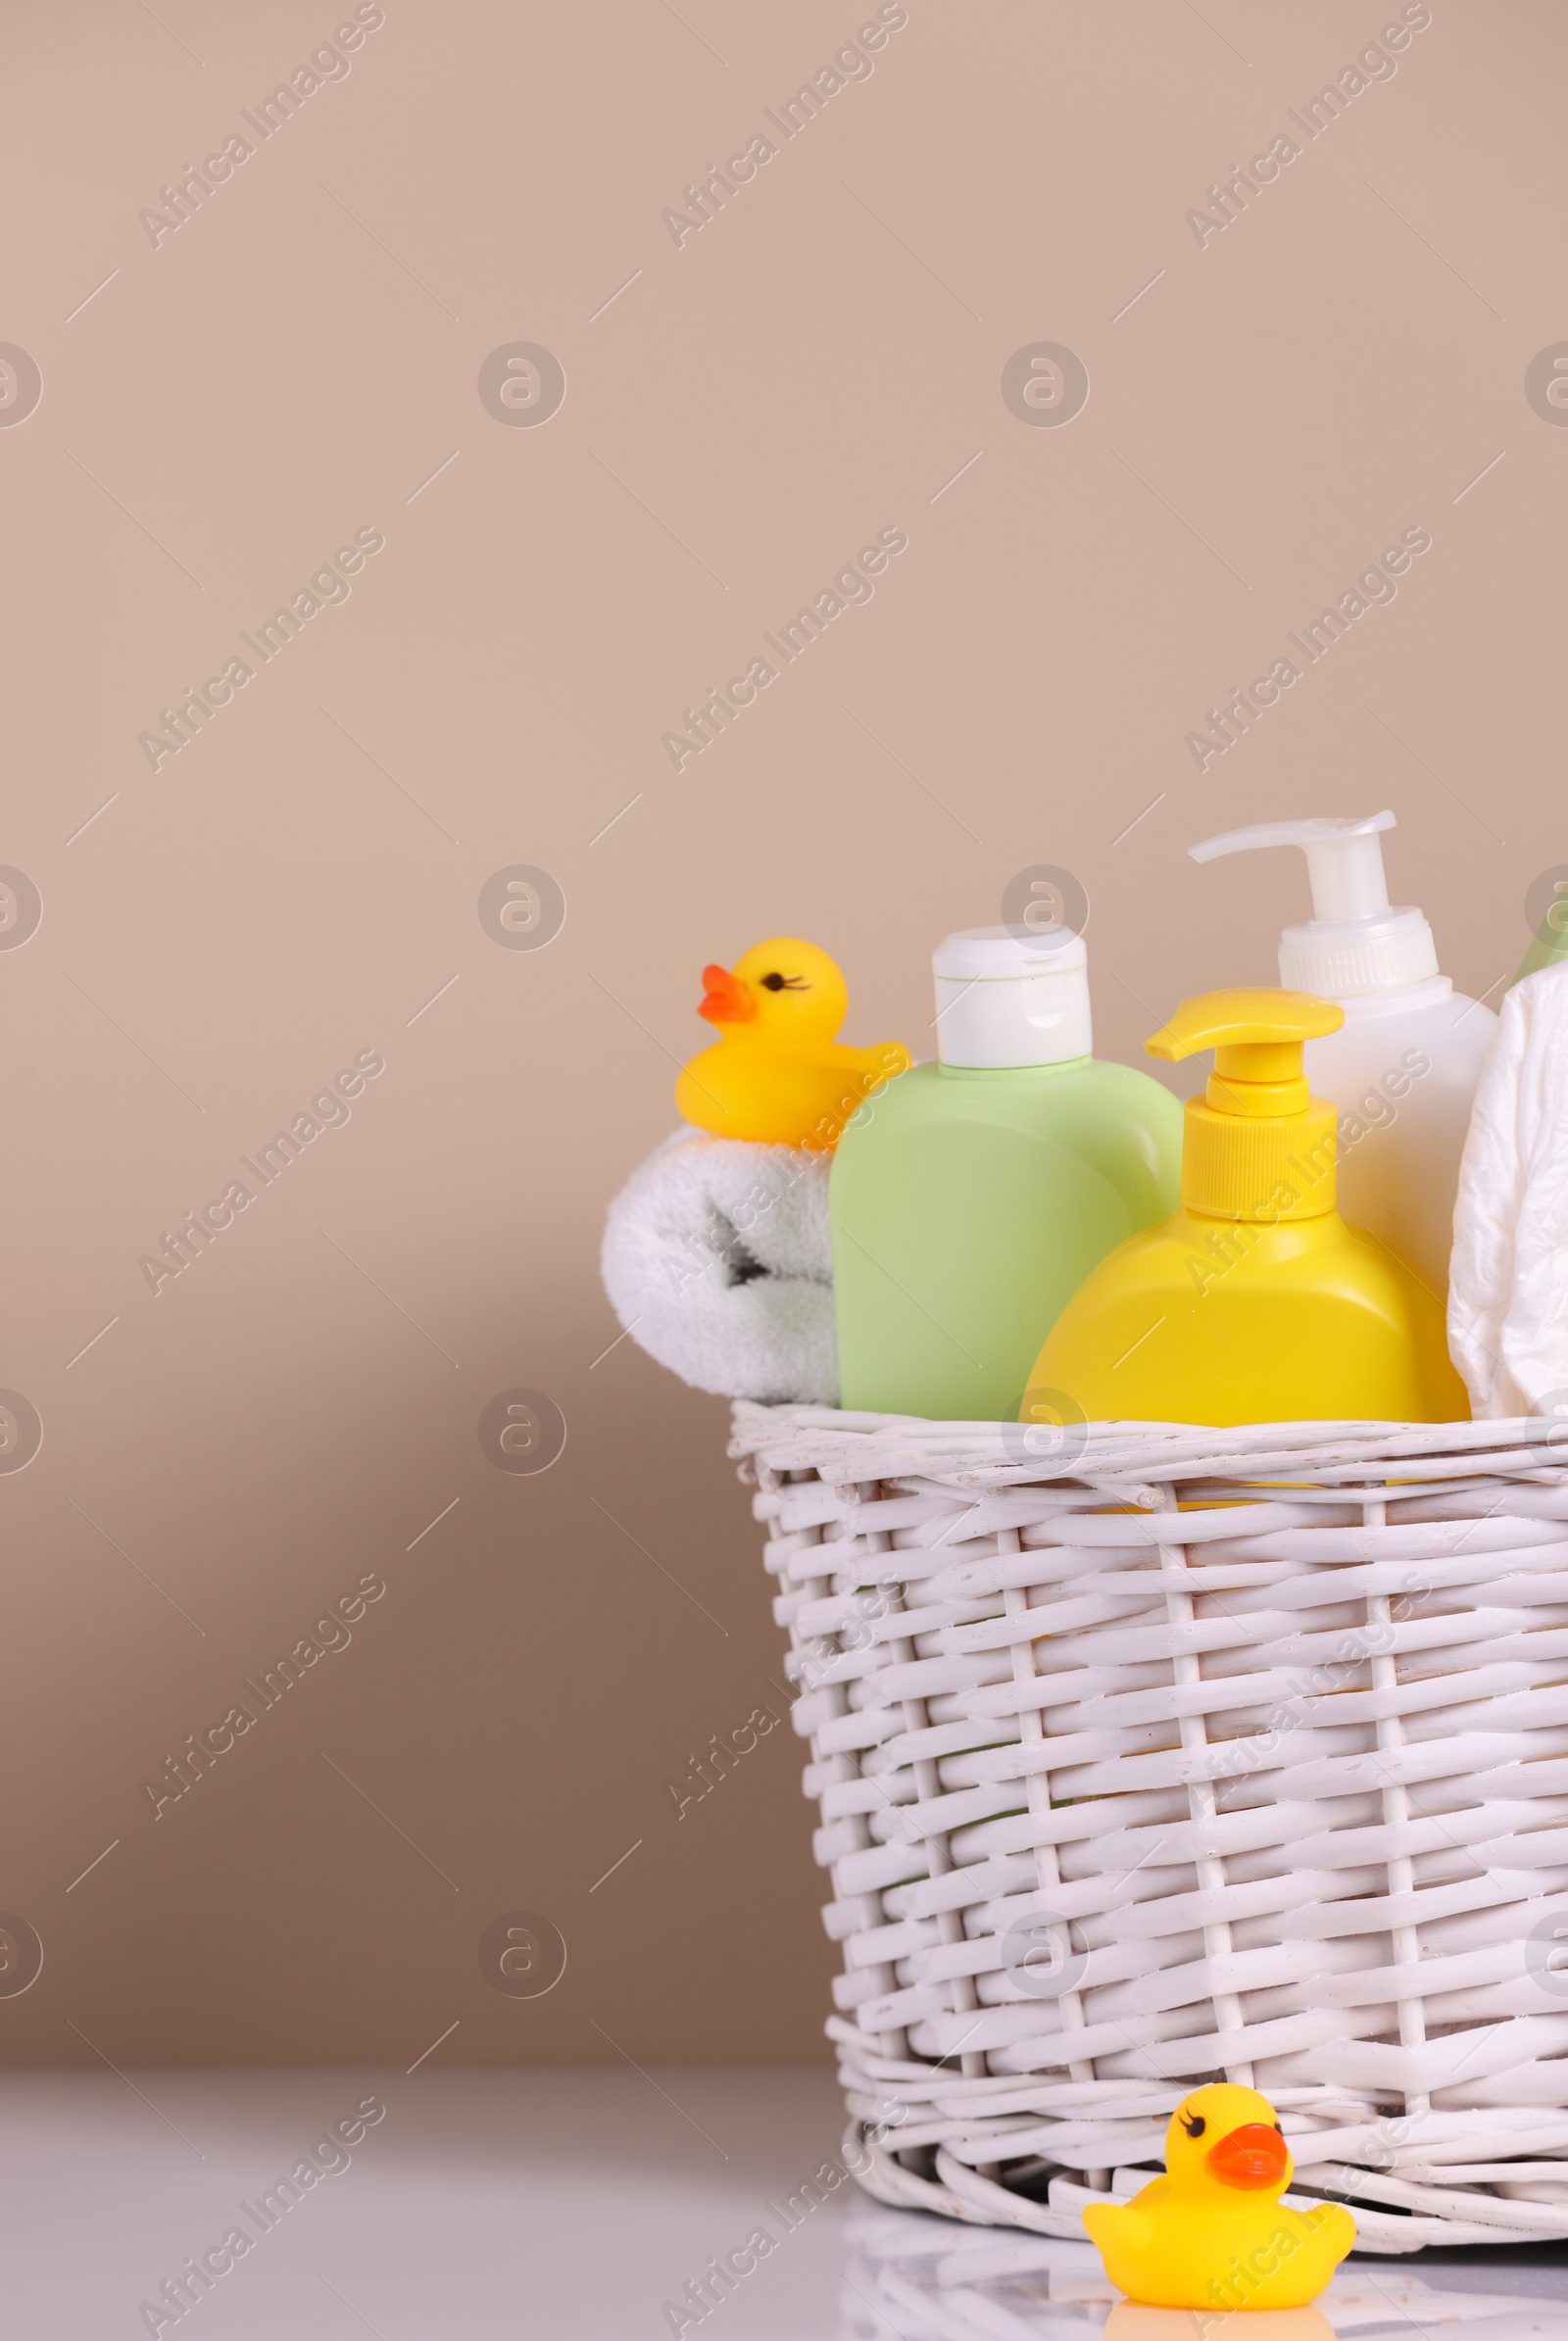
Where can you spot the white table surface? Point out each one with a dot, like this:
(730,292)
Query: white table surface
(538,2204)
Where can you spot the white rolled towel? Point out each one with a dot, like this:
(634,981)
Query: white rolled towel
(717,1262)
(1509,1282)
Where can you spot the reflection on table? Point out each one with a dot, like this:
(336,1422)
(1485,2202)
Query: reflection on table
(909,2277)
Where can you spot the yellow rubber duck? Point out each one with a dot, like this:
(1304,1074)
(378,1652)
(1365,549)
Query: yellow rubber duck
(776,1074)
(1213,2234)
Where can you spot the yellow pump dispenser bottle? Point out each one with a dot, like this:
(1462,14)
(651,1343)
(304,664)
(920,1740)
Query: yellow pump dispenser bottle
(1255,1302)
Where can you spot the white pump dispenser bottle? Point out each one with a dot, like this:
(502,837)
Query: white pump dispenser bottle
(1404,1067)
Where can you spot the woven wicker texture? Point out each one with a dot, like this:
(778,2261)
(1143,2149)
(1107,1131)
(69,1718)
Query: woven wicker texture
(1177,1755)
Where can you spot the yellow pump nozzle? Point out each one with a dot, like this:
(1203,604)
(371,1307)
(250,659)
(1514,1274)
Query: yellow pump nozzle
(1259,1144)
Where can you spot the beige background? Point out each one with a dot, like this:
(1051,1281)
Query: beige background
(819,363)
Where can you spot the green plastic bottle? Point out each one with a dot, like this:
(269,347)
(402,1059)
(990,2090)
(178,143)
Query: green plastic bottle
(1552,937)
(970,1198)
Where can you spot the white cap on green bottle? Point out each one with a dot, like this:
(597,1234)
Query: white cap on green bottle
(1356,942)
(1007,997)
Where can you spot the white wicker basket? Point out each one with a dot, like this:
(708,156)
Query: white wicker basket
(1259,1737)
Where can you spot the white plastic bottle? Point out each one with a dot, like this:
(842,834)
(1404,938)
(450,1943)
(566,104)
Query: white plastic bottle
(1404,1067)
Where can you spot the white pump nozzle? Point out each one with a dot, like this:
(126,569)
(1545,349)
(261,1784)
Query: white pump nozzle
(1343,859)
(1354,942)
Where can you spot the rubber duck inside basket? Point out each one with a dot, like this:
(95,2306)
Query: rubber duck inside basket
(1155,1757)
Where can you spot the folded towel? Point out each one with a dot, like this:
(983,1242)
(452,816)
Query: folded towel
(717,1262)
(1508,1285)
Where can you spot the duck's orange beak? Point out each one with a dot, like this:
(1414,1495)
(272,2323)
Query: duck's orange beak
(726,1001)
(1251,2157)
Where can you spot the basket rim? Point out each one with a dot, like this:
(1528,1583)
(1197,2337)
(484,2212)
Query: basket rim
(840,1446)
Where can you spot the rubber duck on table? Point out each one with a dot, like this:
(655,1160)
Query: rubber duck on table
(1213,2233)
(777,1075)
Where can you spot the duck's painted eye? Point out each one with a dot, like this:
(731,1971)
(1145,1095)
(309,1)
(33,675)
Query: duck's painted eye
(785,983)
(772,983)
(1280,2127)
(1195,2127)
